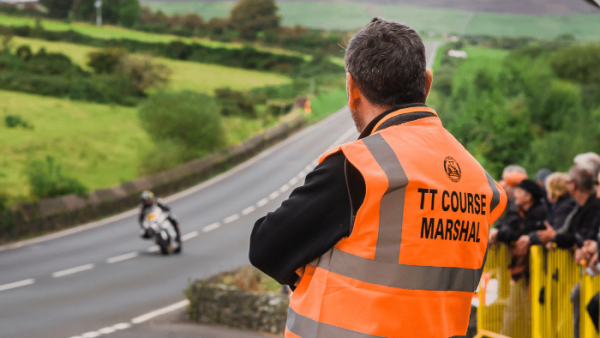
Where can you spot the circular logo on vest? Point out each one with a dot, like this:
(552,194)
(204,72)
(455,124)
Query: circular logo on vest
(452,169)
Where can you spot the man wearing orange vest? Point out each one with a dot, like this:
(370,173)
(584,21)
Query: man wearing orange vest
(388,235)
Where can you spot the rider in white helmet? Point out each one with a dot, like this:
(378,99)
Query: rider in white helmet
(147,201)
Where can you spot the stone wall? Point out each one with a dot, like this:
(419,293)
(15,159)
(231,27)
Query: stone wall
(32,219)
(226,305)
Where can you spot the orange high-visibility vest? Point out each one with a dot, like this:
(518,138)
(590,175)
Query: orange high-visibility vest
(418,244)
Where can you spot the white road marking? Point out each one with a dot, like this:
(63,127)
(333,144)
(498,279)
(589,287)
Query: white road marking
(122,326)
(122,257)
(274,195)
(293,181)
(153,248)
(91,334)
(248,210)
(262,202)
(159,312)
(300,175)
(231,218)
(107,330)
(308,168)
(211,227)
(189,236)
(18,284)
(72,270)
(284,188)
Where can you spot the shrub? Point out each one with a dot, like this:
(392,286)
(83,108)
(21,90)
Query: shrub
(578,63)
(24,52)
(168,154)
(13,121)
(185,117)
(46,180)
(144,73)
(235,103)
(105,61)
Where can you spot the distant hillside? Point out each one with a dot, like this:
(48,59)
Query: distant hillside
(428,17)
(532,7)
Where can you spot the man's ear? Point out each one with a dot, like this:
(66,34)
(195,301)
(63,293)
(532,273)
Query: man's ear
(353,92)
(428,81)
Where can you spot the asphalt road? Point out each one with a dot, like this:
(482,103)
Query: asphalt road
(104,280)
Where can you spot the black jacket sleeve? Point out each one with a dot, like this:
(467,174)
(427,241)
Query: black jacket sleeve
(315,217)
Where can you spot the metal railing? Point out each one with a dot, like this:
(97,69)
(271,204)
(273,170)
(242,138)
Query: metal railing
(541,307)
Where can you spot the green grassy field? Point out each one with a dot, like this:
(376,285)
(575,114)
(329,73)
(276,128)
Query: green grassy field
(204,78)
(349,15)
(114,32)
(100,145)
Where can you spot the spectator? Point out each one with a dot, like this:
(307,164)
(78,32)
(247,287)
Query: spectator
(513,168)
(562,204)
(530,210)
(582,223)
(590,160)
(511,177)
(540,177)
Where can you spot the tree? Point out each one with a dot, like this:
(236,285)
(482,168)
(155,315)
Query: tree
(58,9)
(250,17)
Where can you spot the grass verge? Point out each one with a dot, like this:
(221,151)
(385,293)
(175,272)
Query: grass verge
(100,145)
(199,77)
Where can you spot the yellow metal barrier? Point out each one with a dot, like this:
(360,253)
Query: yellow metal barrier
(589,287)
(501,300)
(562,276)
(542,309)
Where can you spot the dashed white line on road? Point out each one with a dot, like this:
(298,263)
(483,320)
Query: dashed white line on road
(153,248)
(73,270)
(122,326)
(107,330)
(274,195)
(248,210)
(262,202)
(159,312)
(211,227)
(293,181)
(122,257)
(284,188)
(231,218)
(18,284)
(189,236)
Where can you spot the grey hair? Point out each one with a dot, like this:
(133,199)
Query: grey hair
(513,168)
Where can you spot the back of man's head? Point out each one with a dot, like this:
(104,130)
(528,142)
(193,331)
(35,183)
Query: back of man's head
(387,61)
(583,177)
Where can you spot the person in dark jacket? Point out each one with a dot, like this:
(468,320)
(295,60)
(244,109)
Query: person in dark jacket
(532,212)
(562,204)
(583,222)
(511,177)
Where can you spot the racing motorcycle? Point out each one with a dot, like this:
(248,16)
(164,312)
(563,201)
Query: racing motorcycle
(156,225)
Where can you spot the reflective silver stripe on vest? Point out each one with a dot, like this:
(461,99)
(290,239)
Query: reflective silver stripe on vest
(495,193)
(305,327)
(391,210)
(402,276)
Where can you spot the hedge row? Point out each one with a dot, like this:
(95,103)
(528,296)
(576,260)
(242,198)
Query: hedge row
(100,89)
(247,57)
